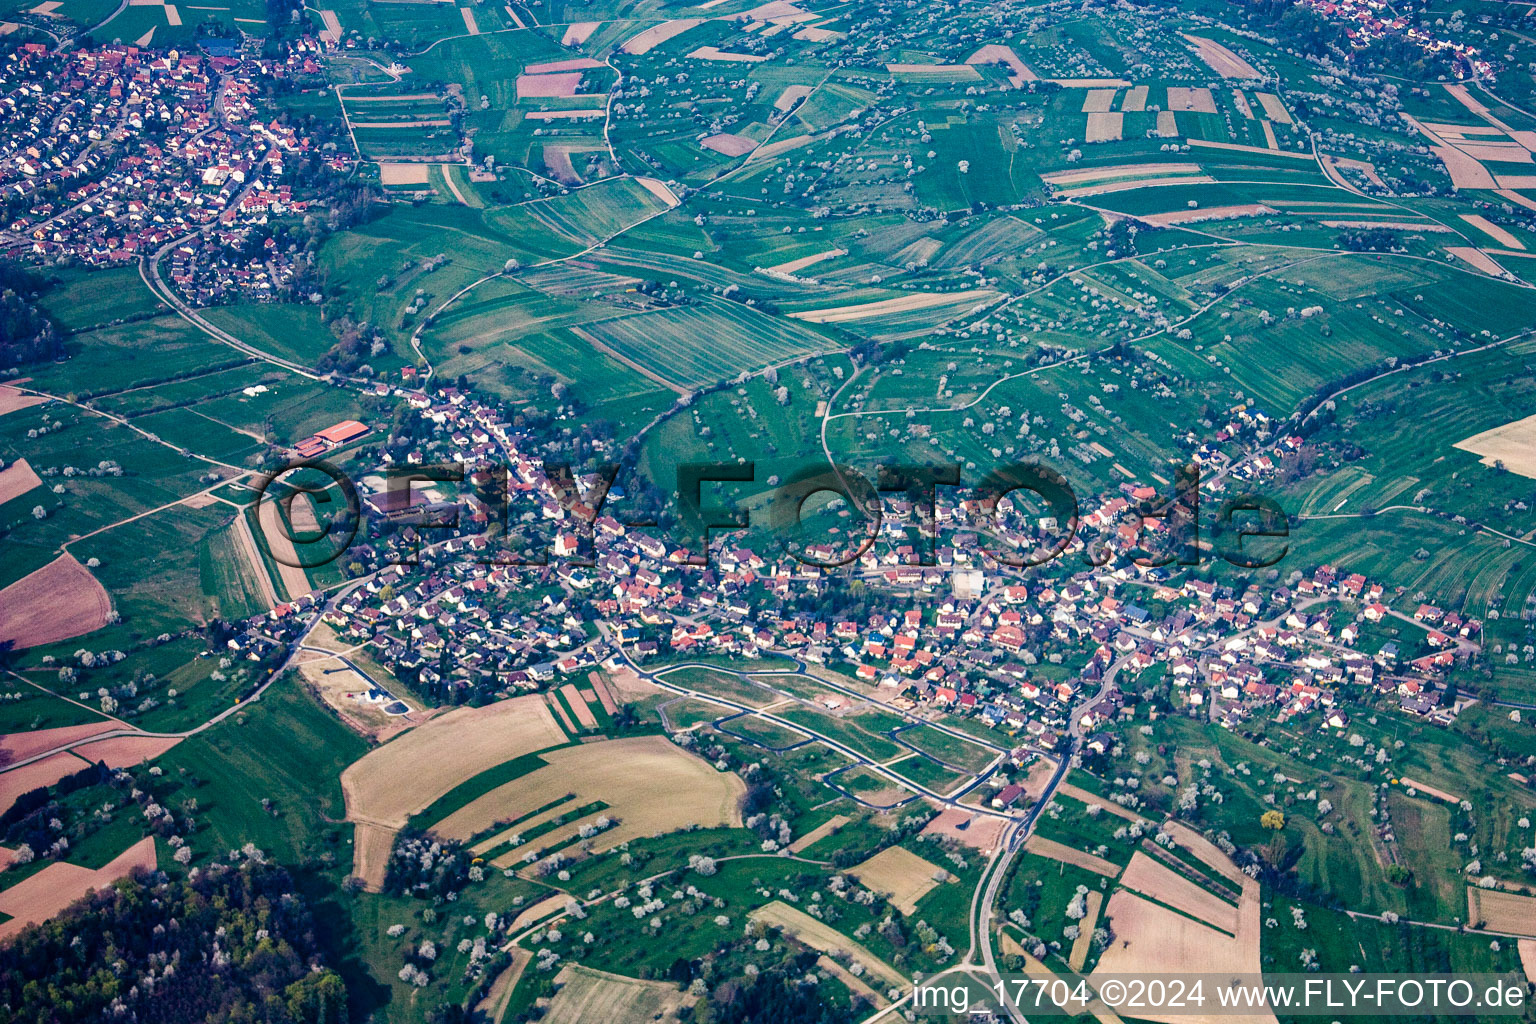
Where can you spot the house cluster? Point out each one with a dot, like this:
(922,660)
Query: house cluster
(1371,20)
(116,151)
(1019,652)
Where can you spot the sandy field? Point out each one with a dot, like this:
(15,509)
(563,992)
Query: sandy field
(1150,939)
(1104,127)
(392,782)
(1207,213)
(332,33)
(551,67)
(818,833)
(729,145)
(1198,99)
(1162,883)
(18,746)
(1269,135)
(901,874)
(531,915)
(825,939)
(1078,793)
(1273,107)
(816,35)
(1498,911)
(403,174)
(1071,855)
(564,83)
(200,500)
(36,775)
(791,95)
(1135,99)
(1167,124)
(794,266)
(470,24)
(557,160)
(658,189)
(1089,83)
(584,716)
(273,531)
(901,304)
(1528,959)
(658,34)
(45,894)
(12,399)
(246,543)
(1205,851)
(560,713)
(1482,224)
(959,71)
(17,479)
(494,1006)
(588,995)
(1500,152)
(1438,794)
(996,53)
(1098,101)
(1508,181)
(1517,198)
(1094,902)
(563,115)
(578,32)
(59,601)
(126,751)
(1479,260)
(1121,171)
(604,694)
(1465,172)
(1222,60)
(984,832)
(650,785)
(714,53)
(1423,227)
(1108,187)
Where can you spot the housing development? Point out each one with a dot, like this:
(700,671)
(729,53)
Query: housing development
(742,511)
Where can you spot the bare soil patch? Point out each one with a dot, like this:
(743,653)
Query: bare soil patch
(18,746)
(981,831)
(1094,902)
(1071,855)
(1476,258)
(794,266)
(1513,444)
(819,833)
(587,995)
(1500,911)
(1482,224)
(560,84)
(584,716)
(791,95)
(901,304)
(126,751)
(17,479)
(729,145)
(1197,99)
(1148,172)
(32,776)
(825,939)
(1104,127)
(578,32)
(654,36)
(59,601)
(1222,60)
(899,873)
(650,785)
(392,782)
(1135,98)
(1274,107)
(1098,101)
(996,53)
(1162,883)
(13,398)
(403,174)
(1207,213)
(42,896)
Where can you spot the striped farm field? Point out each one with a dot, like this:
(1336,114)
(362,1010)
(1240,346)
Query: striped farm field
(695,345)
